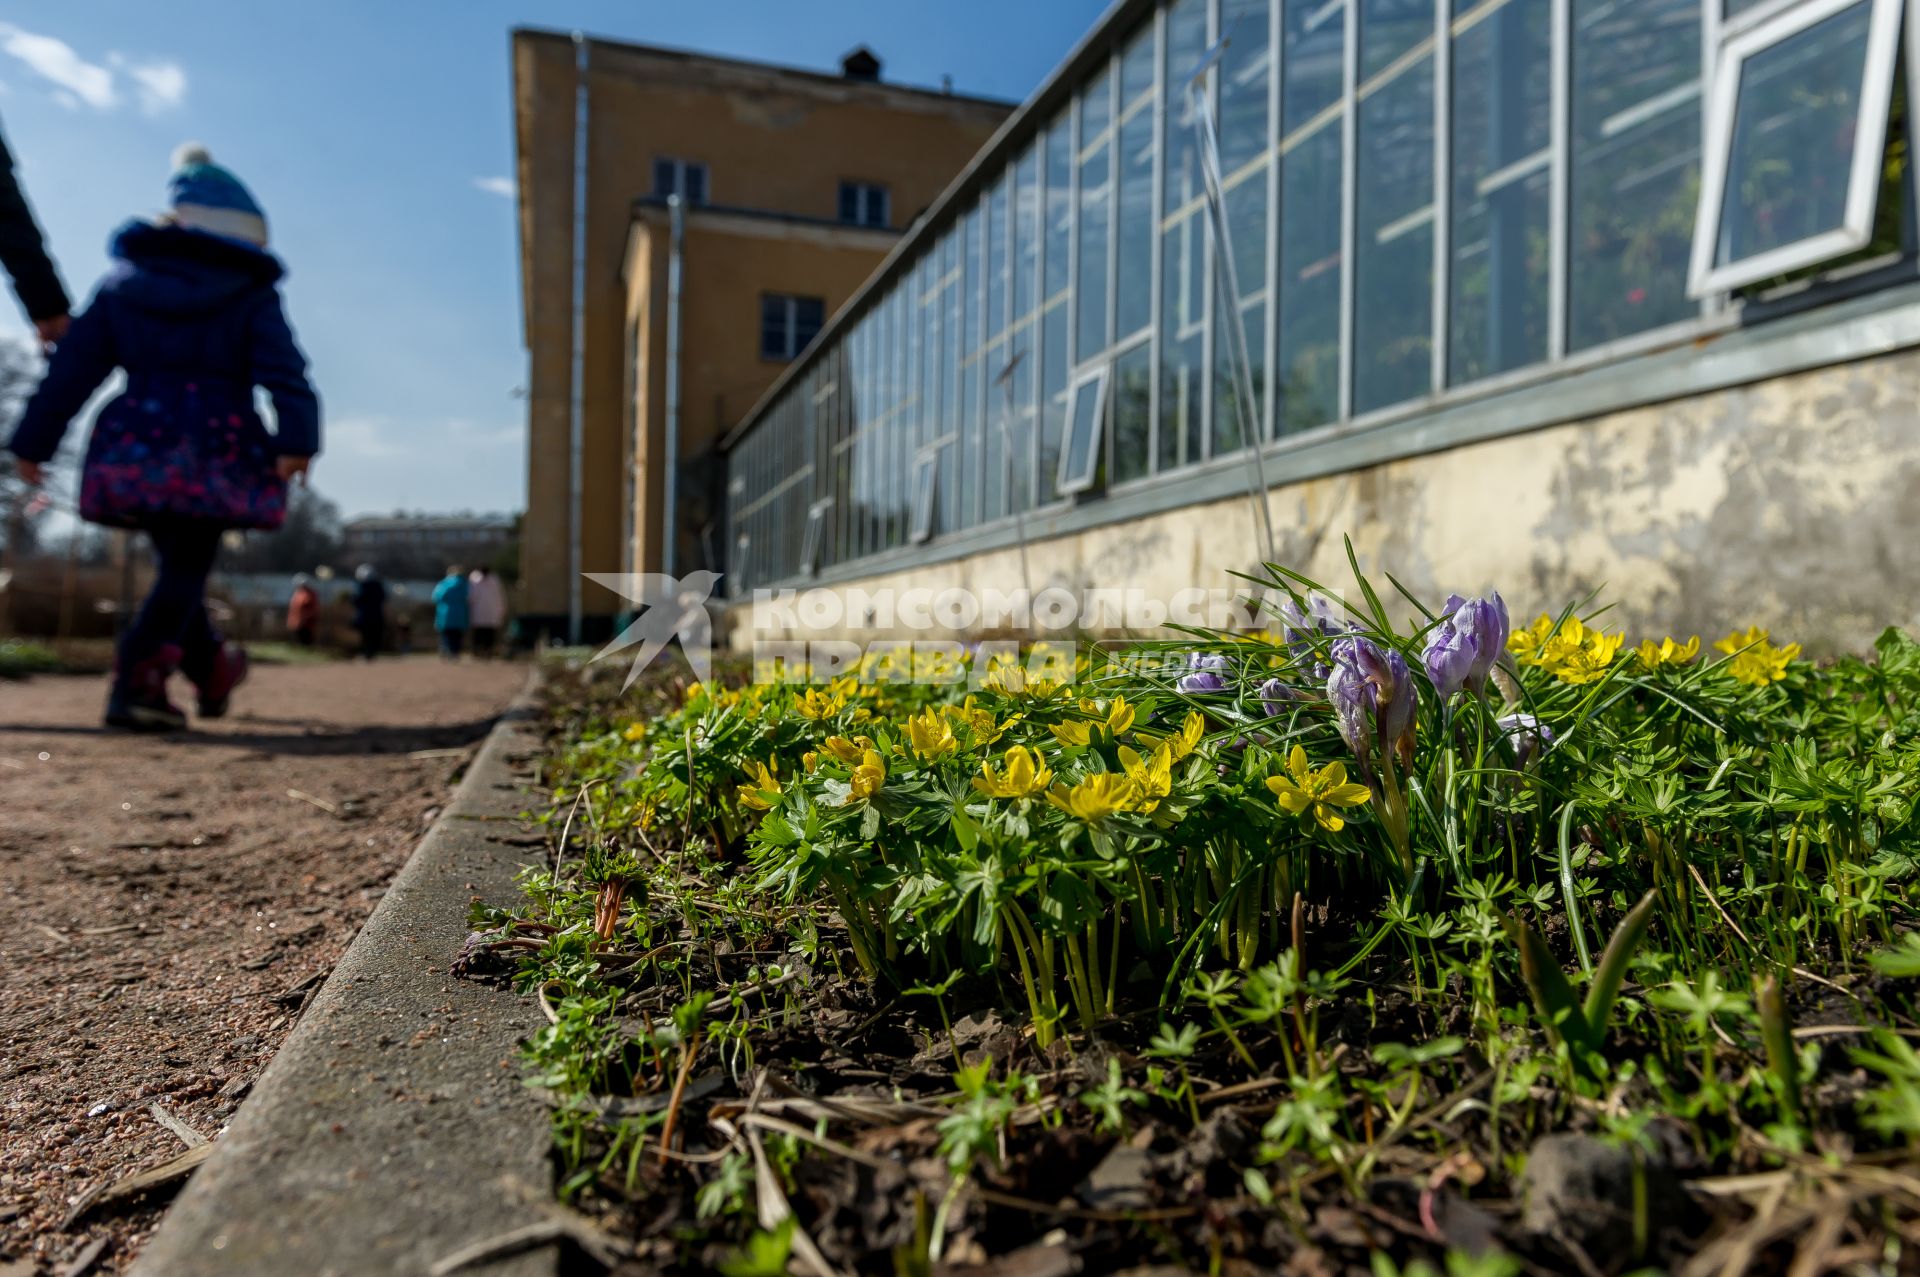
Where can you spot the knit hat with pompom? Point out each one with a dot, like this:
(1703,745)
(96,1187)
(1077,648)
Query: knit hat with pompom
(202,196)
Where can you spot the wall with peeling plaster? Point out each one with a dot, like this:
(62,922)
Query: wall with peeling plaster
(1792,503)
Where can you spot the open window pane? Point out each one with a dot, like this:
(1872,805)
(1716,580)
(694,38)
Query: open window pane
(810,543)
(1086,413)
(1795,129)
(926,471)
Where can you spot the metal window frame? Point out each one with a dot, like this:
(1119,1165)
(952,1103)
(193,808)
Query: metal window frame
(810,540)
(1722,115)
(1098,378)
(926,480)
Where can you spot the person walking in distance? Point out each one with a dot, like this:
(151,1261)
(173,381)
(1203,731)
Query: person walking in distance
(24,253)
(303,611)
(369,610)
(450,614)
(192,312)
(486,610)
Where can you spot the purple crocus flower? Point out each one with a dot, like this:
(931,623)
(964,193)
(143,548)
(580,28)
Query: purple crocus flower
(1306,632)
(1275,696)
(1372,694)
(1449,657)
(1527,735)
(1462,648)
(1206,672)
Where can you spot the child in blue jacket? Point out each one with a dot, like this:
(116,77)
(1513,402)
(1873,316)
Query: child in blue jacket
(191,312)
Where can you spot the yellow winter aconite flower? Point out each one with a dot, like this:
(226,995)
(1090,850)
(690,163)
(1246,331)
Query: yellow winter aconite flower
(1013,680)
(634,732)
(1095,798)
(1110,719)
(1573,653)
(1024,775)
(1755,659)
(1321,793)
(849,751)
(978,722)
(817,704)
(1667,652)
(931,734)
(867,777)
(1152,778)
(764,782)
(1187,739)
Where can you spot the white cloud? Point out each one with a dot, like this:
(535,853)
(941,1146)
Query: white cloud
(77,83)
(162,86)
(501,186)
(55,60)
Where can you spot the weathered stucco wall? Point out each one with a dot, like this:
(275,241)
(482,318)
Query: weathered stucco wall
(1788,502)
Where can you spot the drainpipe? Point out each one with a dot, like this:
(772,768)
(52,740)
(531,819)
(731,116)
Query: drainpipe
(576,418)
(677,228)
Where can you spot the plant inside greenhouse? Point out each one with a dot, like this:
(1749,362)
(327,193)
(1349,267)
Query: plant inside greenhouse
(1394,932)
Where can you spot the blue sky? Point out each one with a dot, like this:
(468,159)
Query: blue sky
(372,132)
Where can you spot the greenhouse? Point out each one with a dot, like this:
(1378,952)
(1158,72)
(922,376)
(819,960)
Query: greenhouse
(1432,216)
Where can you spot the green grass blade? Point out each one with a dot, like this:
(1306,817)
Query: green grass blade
(1567,897)
(1613,963)
(1553,997)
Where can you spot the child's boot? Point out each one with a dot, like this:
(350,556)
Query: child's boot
(227,671)
(138,699)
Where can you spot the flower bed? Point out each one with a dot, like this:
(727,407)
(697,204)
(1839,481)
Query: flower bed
(1245,950)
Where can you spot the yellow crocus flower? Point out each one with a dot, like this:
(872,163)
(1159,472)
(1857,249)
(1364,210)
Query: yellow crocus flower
(1095,798)
(1319,793)
(1024,775)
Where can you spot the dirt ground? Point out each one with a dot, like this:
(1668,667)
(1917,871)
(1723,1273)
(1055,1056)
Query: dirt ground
(169,902)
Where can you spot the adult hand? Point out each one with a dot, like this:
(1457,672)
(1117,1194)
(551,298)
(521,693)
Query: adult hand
(51,330)
(31,471)
(289,466)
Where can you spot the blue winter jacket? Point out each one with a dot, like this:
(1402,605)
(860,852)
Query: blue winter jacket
(450,603)
(178,305)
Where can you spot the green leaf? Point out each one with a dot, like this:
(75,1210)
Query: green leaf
(1613,965)
(965,829)
(764,1255)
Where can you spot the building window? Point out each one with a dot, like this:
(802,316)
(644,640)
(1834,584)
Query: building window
(810,540)
(788,324)
(685,178)
(926,470)
(1794,134)
(865,204)
(1086,415)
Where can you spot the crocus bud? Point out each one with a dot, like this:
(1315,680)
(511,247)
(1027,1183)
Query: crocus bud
(1462,649)
(1372,694)
(1206,673)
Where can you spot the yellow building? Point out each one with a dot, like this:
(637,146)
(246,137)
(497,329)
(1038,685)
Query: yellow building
(791,186)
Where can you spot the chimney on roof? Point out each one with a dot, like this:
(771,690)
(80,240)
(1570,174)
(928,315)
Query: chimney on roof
(861,64)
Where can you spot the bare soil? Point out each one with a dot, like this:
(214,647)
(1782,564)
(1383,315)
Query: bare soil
(170,902)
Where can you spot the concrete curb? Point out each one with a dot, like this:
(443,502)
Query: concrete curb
(392,1128)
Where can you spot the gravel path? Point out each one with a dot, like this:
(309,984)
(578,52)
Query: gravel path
(167,902)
